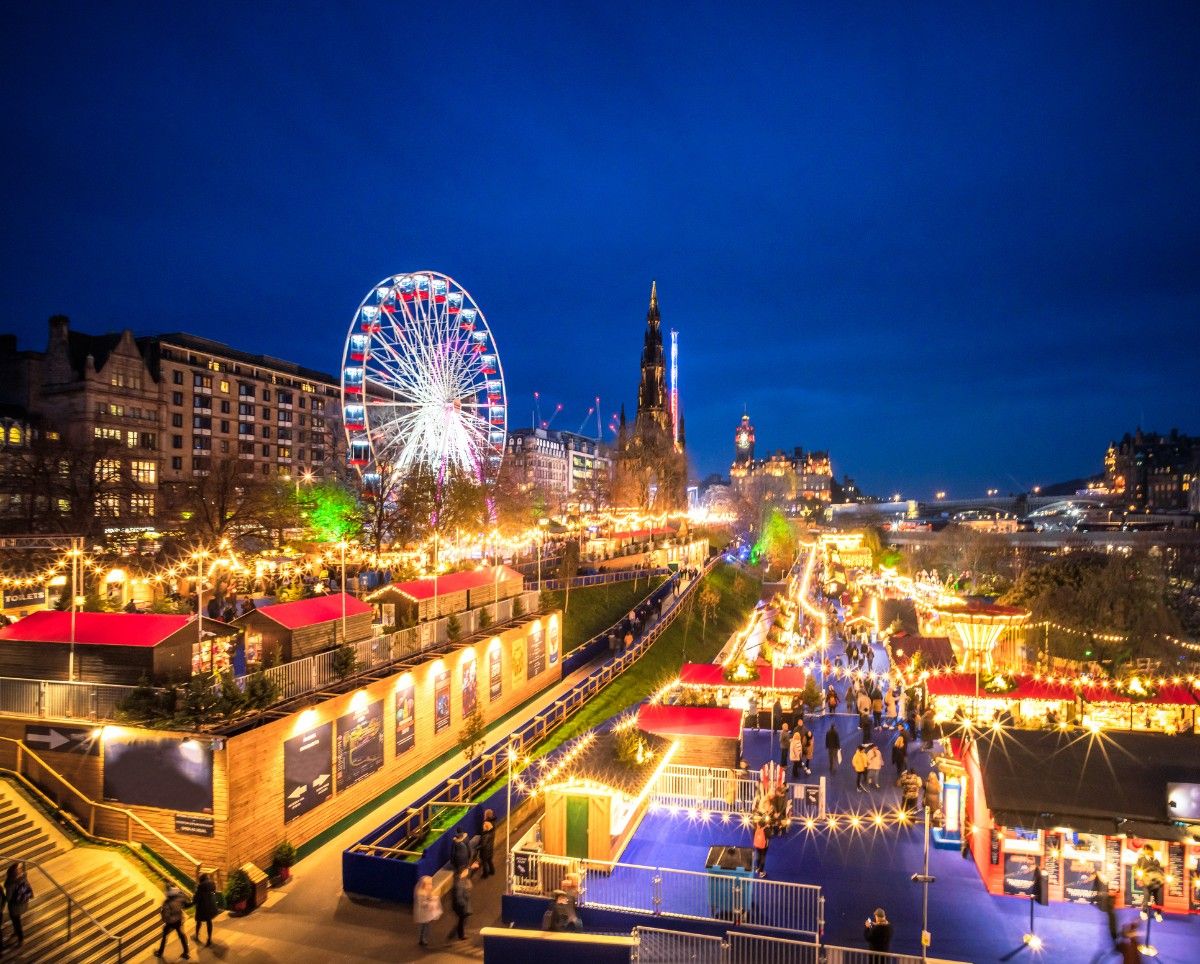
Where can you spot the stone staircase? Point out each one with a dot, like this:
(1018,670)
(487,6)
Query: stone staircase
(101,880)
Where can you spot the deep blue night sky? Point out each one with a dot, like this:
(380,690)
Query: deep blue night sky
(955,247)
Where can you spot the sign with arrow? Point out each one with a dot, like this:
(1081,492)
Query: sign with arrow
(62,739)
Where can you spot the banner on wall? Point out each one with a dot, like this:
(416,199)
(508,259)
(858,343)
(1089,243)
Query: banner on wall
(359,744)
(1020,873)
(553,640)
(518,661)
(469,687)
(1079,880)
(406,716)
(175,774)
(537,652)
(441,701)
(495,676)
(307,771)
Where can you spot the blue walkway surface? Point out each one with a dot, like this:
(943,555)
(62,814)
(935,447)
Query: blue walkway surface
(864,869)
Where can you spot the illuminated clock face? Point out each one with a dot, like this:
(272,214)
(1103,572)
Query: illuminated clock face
(743,439)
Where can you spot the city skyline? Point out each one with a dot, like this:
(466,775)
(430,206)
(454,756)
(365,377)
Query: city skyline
(956,255)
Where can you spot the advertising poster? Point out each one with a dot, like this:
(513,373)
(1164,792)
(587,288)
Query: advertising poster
(518,661)
(469,688)
(1052,866)
(169,773)
(553,641)
(537,652)
(441,701)
(495,676)
(307,771)
(359,744)
(1079,880)
(1020,871)
(406,716)
(1175,862)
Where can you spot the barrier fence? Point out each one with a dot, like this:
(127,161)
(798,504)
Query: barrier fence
(653,945)
(667,892)
(721,790)
(603,578)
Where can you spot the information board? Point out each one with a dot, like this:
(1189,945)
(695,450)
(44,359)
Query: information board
(1175,861)
(1079,880)
(406,716)
(193,826)
(359,744)
(1020,874)
(1112,863)
(495,674)
(537,652)
(174,774)
(307,771)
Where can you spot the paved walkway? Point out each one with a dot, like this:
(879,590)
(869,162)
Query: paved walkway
(311,919)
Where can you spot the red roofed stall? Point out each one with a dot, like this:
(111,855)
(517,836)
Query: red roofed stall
(288,631)
(790,678)
(708,736)
(113,647)
(420,599)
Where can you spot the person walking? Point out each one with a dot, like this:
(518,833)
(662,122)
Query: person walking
(831,699)
(810,745)
(864,724)
(891,710)
(877,707)
(487,844)
(874,765)
(205,900)
(796,752)
(427,908)
(17,895)
(460,852)
(171,915)
(1129,946)
(900,753)
(928,729)
(833,746)
(460,901)
(760,851)
(910,789)
(863,702)
(859,762)
(785,744)
(933,791)
(878,934)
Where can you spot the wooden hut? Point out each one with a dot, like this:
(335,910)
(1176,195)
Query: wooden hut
(421,599)
(708,736)
(288,631)
(114,647)
(595,805)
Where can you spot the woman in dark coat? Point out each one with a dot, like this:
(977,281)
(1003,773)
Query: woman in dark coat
(900,753)
(460,900)
(487,844)
(206,906)
(17,894)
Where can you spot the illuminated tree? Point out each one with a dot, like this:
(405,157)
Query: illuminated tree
(334,514)
(776,545)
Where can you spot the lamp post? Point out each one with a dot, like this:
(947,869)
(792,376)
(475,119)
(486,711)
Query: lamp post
(925,879)
(200,554)
(76,550)
(342,546)
(508,823)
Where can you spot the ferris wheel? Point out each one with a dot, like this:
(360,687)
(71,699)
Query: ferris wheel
(422,386)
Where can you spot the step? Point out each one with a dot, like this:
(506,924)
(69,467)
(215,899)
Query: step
(139,927)
(46,931)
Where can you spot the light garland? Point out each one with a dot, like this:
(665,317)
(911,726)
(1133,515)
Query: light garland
(852,821)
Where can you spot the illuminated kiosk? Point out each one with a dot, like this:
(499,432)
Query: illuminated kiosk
(977,628)
(594,807)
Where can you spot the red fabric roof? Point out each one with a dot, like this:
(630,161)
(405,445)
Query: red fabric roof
(713,674)
(455,582)
(1028,688)
(638,534)
(97,629)
(691,721)
(319,609)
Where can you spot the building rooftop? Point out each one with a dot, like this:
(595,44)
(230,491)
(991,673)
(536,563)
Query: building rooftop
(196,343)
(309,612)
(417,589)
(100,629)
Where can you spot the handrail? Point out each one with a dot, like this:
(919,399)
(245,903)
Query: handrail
(94,805)
(71,901)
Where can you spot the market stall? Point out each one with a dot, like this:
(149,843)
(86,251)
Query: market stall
(750,687)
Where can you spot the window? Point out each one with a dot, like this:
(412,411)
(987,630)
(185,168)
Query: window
(176,463)
(109,408)
(108,471)
(301,436)
(300,456)
(108,505)
(131,440)
(318,455)
(200,463)
(202,422)
(266,413)
(225,445)
(177,419)
(318,422)
(285,452)
(176,441)
(201,381)
(224,425)
(245,428)
(245,448)
(266,394)
(284,434)
(302,402)
(266,431)
(266,451)
(224,408)
(125,380)
(201,443)
(245,391)
(246,411)
(225,386)
(176,398)
(148,440)
(177,377)
(14,435)
(141,503)
(145,473)
(302,416)
(266,470)
(107,434)
(202,401)
(283,398)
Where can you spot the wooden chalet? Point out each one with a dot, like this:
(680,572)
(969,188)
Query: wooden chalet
(421,599)
(288,631)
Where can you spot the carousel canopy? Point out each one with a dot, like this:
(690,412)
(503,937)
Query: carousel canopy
(1033,688)
(713,674)
(691,721)
(1043,779)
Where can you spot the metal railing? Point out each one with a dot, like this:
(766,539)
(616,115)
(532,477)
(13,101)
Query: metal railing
(857,955)
(760,949)
(101,821)
(721,790)
(653,945)
(72,905)
(604,578)
(58,699)
(666,892)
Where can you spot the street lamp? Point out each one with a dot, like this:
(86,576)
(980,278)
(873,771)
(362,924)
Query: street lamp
(342,546)
(512,756)
(925,879)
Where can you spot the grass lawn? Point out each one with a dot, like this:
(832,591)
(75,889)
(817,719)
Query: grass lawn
(662,661)
(595,608)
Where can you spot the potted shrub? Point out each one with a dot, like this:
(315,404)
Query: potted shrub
(238,891)
(282,860)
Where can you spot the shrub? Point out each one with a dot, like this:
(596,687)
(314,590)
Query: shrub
(238,888)
(284,855)
(453,628)
(485,618)
(345,661)
(518,607)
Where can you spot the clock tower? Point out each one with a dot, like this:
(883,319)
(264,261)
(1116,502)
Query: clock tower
(743,442)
